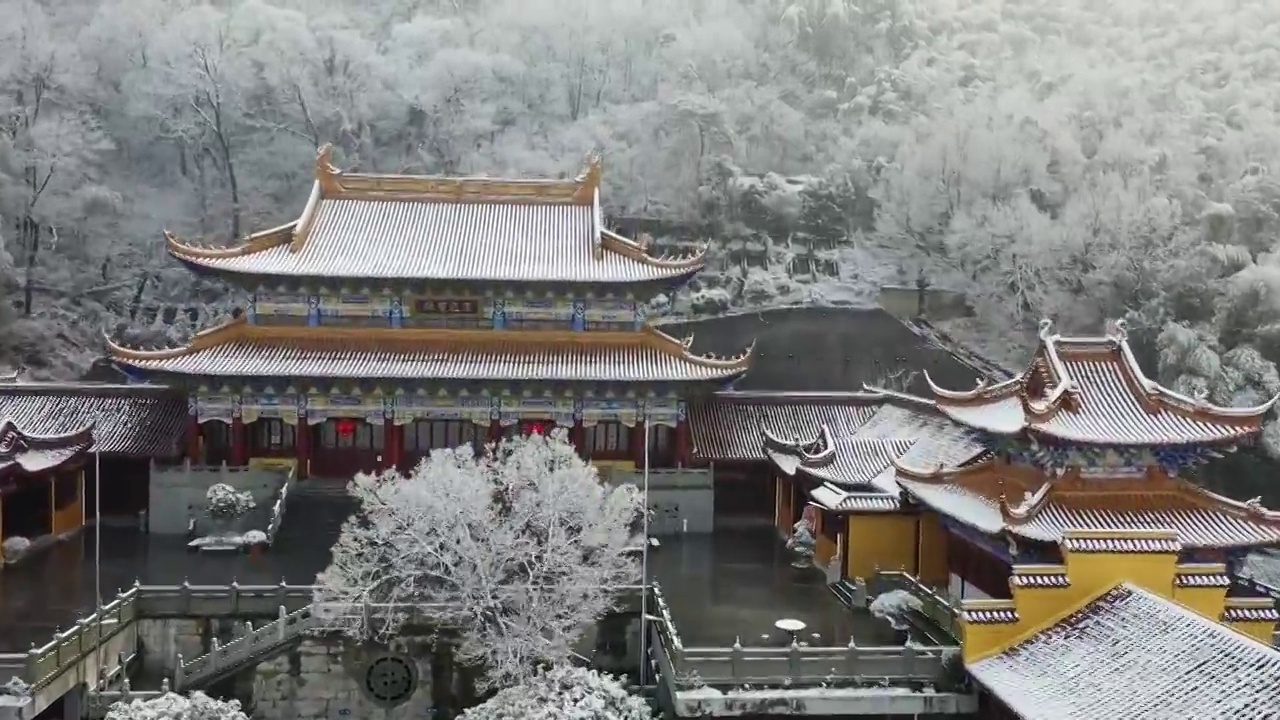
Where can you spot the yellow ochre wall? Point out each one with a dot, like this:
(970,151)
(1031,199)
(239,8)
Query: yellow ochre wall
(782,501)
(881,541)
(932,565)
(1088,576)
(68,518)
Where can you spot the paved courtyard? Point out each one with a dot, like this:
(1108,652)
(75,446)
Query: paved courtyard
(56,587)
(735,583)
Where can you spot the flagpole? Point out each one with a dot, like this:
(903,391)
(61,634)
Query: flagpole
(644,565)
(97,544)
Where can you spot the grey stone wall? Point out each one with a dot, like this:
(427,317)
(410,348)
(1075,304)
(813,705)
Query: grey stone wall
(164,640)
(324,679)
(681,500)
(178,493)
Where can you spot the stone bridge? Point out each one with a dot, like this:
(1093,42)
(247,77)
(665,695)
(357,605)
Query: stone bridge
(94,650)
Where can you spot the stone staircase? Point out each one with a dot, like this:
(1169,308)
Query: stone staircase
(317,509)
(251,648)
(852,594)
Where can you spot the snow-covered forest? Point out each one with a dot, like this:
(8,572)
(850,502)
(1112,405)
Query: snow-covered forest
(1074,159)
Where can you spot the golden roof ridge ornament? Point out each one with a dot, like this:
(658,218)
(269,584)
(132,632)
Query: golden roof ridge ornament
(589,179)
(326,173)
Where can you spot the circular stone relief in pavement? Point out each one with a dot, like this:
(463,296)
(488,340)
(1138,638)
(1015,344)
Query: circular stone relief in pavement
(390,679)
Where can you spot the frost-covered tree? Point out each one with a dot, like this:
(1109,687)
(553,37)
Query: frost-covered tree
(172,706)
(514,553)
(563,693)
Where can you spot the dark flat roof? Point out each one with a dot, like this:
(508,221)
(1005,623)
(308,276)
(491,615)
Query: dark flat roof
(826,349)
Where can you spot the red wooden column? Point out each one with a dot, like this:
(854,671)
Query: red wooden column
(495,420)
(683,454)
(302,439)
(636,449)
(578,436)
(193,430)
(239,451)
(392,450)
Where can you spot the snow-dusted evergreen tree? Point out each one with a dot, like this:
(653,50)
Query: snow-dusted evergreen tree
(518,550)
(563,693)
(172,706)
(894,607)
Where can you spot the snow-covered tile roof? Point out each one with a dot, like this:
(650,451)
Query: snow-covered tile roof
(1134,655)
(134,420)
(1040,580)
(395,227)
(29,453)
(1091,390)
(1251,614)
(241,350)
(727,426)
(1119,544)
(836,499)
(1200,520)
(990,616)
(1208,579)
(902,430)
(1263,567)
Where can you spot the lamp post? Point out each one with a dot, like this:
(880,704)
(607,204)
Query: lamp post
(644,561)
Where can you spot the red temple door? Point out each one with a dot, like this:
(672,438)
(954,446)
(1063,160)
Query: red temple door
(343,447)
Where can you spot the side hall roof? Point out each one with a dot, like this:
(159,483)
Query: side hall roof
(1090,390)
(130,420)
(1135,655)
(30,453)
(240,349)
(403,227)
(996,498)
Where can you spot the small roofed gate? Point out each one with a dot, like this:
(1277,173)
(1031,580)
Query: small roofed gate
(401,314)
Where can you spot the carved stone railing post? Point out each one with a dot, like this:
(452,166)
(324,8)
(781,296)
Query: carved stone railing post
(852,659)
(735,654)
(860,595)
(178,674)
(282,623)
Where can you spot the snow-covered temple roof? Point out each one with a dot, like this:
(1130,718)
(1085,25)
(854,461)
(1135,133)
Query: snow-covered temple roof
(1133,654)
(128,420)
(1090,390)
(29,453)
(241,349)
(863,457)
(999,498)
(401,227)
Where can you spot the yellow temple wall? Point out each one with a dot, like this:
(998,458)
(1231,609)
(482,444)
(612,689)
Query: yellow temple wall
(1089,575)
(68,518)
(932,567)
(1260,630)
(881,541)
(1092,572)
(782,501)
(823,549)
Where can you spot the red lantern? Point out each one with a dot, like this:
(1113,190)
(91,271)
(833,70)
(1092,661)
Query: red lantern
(346,427)
(536,427)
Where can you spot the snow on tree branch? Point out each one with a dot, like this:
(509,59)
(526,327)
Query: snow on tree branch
(172,706)
(519,550)
(563,693)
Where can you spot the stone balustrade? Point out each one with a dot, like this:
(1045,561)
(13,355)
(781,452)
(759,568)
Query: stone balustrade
(795,665)
(935,607)
(39,665)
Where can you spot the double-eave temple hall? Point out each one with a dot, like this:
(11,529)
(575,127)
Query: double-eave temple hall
(1043,521)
